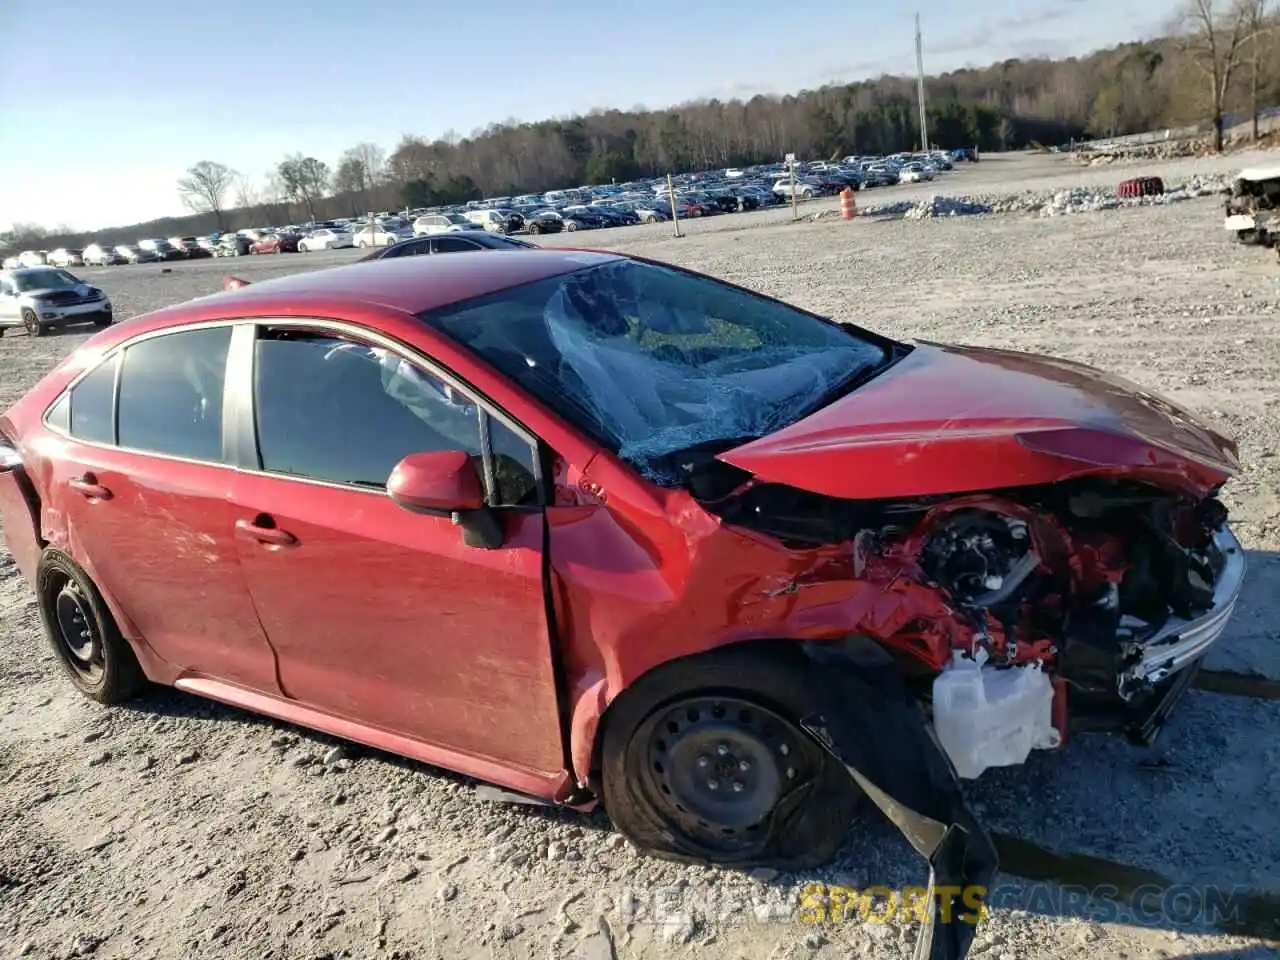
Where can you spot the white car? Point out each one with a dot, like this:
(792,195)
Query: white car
(326,239)
(96,255)
(443,223)
(495,221)
(66,257)
(376,235)
(914,173)
(36,298)
(33,258)
(804,189)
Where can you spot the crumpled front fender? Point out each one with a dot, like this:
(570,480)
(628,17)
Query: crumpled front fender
(868,720)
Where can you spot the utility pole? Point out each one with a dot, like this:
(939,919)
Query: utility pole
(924,127)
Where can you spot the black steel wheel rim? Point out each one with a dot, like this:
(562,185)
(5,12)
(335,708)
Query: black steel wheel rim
(717,767)
(77,631)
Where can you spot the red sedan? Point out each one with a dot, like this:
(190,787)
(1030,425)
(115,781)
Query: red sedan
(596,528)
(275,243)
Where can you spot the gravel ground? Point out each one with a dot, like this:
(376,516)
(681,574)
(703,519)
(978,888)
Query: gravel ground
(179,828)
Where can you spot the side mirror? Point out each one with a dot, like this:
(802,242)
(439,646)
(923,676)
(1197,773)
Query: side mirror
(445,483)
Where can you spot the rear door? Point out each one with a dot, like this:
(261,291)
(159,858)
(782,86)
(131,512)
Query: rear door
(144,487)
(379,615)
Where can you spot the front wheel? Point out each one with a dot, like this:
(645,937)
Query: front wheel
(103,319)
(302,248)
(31,323)
(704,760)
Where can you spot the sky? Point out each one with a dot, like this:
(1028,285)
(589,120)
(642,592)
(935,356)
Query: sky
(104,105)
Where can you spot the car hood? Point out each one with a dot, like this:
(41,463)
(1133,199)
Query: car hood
(948,419)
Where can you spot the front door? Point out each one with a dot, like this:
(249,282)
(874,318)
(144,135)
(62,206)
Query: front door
(379,615)
(145,496)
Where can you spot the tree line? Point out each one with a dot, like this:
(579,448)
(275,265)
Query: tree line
(1217,60)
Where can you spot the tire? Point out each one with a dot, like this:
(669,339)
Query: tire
(570,226)
(806,194)
(302,248)
(746,701)
(99,661)
(31,323)
(103,319)
(1247,237)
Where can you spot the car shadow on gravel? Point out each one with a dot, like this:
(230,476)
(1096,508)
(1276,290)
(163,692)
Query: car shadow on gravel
(1101,831)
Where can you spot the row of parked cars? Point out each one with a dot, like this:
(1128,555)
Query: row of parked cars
(700,194)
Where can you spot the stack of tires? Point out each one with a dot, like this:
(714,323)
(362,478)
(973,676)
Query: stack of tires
(1140,187)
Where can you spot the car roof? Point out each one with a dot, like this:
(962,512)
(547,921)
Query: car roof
(1260,173)
(28,271)
(413,284)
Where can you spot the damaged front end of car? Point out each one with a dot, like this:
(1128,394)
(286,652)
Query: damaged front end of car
(998,623)
(1111,590)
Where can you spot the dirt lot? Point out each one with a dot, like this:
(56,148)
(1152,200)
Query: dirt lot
(178,828)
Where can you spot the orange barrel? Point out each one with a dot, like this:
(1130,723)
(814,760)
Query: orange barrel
(848,206)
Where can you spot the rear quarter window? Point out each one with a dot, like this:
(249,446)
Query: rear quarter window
(92,402)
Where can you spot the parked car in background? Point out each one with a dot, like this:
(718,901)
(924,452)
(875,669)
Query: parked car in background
(66,257)
(327,238)
(233,245)
(37,298)
(443,223)
(538,222)
(915,172)
(376,235)
(162,248)
(190,247)
(450,243)
(802,188)
(97,255)
(276,243)
(33,258)
(495,221)
(131,254)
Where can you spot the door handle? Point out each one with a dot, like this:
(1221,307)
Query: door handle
(89,487)
(257,530)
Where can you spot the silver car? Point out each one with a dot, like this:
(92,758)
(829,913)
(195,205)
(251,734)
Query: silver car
(36,298)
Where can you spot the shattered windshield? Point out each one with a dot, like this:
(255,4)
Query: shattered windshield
(651,360)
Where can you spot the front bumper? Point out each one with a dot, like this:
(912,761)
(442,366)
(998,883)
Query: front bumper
(1178,642)
(73,312)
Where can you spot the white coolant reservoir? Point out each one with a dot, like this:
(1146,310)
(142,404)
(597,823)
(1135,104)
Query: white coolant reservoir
(986,716)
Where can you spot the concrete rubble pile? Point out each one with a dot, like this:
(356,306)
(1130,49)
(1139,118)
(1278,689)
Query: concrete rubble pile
(1043,203)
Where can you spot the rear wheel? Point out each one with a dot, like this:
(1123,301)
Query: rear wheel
(704,760)
(31,323)
(83,634)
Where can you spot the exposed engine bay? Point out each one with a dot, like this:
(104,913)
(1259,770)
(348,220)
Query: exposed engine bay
(1103,585)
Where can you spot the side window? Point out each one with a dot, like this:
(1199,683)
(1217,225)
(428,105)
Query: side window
(333,409)
(92,405)
(414,249)
(59,415)
(454,245)
(6,287)
(171,394)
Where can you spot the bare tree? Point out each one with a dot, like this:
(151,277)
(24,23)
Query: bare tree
(246,194)
(360,170)
(305,180)
(1262,34)
(204,188)
(1215,40)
